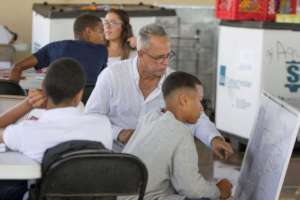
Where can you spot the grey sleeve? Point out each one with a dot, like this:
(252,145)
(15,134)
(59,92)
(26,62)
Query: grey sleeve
(185,175)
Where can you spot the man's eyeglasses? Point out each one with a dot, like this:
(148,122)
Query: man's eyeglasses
(111,23)
(161,59)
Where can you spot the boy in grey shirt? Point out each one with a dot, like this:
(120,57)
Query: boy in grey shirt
(165,144)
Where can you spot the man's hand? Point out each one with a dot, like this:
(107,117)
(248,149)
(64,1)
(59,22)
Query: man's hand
(125,135)
(36,99)
(221,148)
(225,188)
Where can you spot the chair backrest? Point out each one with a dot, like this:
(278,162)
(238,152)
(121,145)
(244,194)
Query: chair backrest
(8,87)
(88,89)
(93,173)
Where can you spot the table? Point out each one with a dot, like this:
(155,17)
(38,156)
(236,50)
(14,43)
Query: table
(32,79)
(8,101)
(16,166)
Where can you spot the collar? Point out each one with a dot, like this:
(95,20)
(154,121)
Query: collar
(59,113)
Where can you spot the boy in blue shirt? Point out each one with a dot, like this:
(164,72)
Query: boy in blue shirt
(87,48)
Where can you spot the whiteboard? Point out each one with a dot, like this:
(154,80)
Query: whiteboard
(269,149)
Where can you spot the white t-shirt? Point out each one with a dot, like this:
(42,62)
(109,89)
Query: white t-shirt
(114,60)
(33,137)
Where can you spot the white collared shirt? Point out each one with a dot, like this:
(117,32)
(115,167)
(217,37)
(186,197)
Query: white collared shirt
(33,137)
(118,96)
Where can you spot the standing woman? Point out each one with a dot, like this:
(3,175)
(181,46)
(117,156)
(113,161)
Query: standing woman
(119,36)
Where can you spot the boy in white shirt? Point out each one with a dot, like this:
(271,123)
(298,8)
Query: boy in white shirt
(63,87)
(163,141)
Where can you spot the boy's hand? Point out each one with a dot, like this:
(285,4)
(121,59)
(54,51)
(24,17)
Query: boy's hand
(225,188)
(125,135)
(221,148)
(36,99)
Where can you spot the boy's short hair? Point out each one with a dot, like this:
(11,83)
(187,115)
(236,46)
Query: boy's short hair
(64,79)
(177,80)
(84,21)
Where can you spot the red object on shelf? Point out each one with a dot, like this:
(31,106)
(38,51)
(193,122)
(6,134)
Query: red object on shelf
(258,10)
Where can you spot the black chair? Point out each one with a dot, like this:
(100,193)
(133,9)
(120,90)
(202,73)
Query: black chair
(91,174)
(88,89)
(8,87)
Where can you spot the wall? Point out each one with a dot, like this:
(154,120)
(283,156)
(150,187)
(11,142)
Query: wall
(16,14)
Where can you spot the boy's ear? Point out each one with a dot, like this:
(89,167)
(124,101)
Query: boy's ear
(85,34)
(182,99)
(87,30)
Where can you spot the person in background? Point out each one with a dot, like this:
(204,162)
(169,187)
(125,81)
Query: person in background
(62,121)
(119,36)
(166,145)
(88,49)
(127,90)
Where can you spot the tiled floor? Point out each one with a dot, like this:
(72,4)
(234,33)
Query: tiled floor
(211,168)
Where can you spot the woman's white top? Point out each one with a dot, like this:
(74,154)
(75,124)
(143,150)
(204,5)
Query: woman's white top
(113,60)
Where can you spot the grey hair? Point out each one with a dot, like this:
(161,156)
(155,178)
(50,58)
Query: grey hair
(146,32)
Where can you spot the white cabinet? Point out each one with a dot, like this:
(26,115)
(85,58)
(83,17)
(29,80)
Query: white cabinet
(53,22)
(254,56)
